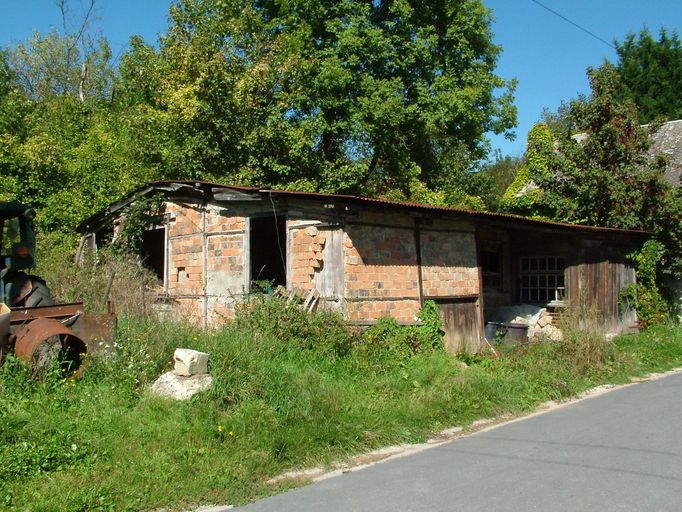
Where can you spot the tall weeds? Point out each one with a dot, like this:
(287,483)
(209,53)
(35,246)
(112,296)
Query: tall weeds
(105,275)
(584,340)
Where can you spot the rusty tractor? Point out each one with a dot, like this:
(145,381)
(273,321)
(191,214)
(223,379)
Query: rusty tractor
(37,330)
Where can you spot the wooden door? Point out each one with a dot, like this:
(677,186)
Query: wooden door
(462,324)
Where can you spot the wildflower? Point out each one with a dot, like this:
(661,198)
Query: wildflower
(220,429)
(231,433)
(74,447)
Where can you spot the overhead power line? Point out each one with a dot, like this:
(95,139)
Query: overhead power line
(574,24)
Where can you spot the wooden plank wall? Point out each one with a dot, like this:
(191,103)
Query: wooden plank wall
(597,282)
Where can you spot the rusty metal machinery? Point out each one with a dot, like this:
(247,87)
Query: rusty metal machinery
(64,332)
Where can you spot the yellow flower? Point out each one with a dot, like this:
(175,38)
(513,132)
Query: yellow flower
(231,433)
(220,428)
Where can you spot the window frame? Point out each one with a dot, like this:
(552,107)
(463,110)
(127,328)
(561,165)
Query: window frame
(491,279)
(542,279)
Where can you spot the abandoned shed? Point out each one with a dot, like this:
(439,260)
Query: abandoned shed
(369,258)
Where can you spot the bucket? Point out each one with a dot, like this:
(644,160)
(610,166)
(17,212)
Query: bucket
(506,332)
(492,329)
(516,333)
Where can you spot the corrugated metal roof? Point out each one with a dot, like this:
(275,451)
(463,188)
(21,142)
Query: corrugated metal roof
(402,205)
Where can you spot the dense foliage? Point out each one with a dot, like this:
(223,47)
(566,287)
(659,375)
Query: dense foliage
(645,295)
(497,175)
(593,168)
(523,196)
(651,73)
(375,98)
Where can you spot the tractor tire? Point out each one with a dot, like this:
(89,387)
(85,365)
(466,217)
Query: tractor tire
(40,294)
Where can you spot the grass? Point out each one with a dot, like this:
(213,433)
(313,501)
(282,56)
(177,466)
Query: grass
(294,393)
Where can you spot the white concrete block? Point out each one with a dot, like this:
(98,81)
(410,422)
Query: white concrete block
(190,362)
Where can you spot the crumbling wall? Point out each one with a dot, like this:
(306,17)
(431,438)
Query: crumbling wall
(306,253)
(184,267)
(207,260)
(366,268)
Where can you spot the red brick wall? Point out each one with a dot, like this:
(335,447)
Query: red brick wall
(380,263)
(449,265)
(306,254)
(376,265)
(185,251)
(223,262)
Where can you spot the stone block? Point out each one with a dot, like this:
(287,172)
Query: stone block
(190,362)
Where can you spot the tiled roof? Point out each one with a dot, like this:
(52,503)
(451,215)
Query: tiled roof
(668,140)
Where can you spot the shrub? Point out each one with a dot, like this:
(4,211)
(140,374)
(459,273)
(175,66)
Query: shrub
(388,340)
(645,295)
(274,317)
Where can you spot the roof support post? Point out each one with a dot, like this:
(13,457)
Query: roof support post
(418,250)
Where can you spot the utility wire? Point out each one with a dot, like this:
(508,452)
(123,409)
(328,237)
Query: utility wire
(574,24)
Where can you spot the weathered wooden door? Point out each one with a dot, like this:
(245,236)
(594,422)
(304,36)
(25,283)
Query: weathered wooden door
(462,324)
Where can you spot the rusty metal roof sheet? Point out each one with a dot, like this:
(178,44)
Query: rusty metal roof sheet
(185,185)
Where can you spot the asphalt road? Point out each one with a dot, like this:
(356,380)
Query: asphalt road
(618,451)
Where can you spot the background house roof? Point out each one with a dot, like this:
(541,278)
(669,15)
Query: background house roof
(668,140)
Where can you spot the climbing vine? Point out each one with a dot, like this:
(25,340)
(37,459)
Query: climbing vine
(646,297)
(140,214)
(523,196)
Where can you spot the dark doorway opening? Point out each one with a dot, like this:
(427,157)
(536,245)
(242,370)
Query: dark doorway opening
(268,239)
(153,251)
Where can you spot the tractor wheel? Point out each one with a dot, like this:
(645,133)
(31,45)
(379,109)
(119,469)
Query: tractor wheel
(40,294)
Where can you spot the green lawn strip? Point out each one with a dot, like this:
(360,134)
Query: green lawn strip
(104,443)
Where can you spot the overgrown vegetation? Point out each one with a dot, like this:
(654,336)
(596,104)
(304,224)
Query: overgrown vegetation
(110,274)
(591,166)
(291,390)
(645,295)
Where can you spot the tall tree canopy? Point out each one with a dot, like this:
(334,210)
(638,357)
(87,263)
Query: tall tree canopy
(651,74)
(351,95)
(381,97)
(61,146)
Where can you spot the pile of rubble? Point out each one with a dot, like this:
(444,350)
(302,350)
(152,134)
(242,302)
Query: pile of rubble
(540,322)
(541,326)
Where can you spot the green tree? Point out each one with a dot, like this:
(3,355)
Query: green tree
(63,149)
(13,110)
(651,73)
(524,196)
(604,177)
(496,176)
(335,96)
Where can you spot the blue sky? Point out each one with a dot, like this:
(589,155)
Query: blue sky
(549,56)
(546,54)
